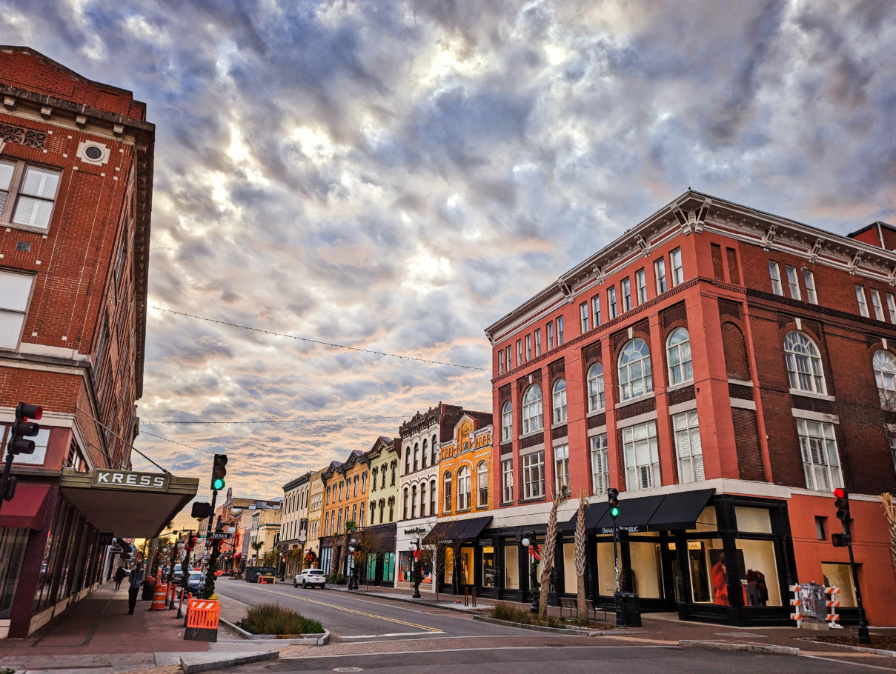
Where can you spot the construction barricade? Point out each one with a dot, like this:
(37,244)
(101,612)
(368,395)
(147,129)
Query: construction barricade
(202,620)
(159,597)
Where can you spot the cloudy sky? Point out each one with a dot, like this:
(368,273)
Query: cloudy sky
(396,176)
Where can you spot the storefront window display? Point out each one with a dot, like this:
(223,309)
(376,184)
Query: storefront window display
(647,569)
(536,566)
(388,567)
(570,585)
(511,566)
(840,575)
(12,549)
(759,571)
(449,566)
(467,566)
(488,567)
(606,569)
(371,567)
(708,569)
(404,567)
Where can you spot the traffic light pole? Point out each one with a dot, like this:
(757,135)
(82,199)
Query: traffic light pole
(864,635)
(211,517)
(620,618)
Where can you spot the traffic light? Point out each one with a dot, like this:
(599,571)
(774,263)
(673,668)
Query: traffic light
(613,499)
(219,470)
(839,540)
(23,428)
(842,504)
(10,488)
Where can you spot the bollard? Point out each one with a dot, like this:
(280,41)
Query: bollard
(180,605)
(187,612)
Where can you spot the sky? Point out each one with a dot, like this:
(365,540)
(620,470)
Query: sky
(396,176)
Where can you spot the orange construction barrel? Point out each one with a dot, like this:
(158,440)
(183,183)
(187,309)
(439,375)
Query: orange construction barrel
(158,598)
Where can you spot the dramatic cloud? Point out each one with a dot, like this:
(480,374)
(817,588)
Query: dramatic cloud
(397,175)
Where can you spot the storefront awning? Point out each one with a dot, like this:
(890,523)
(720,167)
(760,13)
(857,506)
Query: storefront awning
(128,503)
(472,528)
(28,508)
(437,533)
(669,512)
(680,511)
(594,512)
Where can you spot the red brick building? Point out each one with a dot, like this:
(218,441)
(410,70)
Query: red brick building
(725,369)
(76,167)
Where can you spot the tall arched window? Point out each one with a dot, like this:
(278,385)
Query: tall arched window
(463,488)
(635,375)
(425,456)
(372,513)
(885,374)
(361,521)
(416,456)
(596,387)
(559,399)
(446,493)
(506,422)
(383,509)
(435,448)
(414,502)
(678,356)
(533,414)
(406,506)
(432,498)
(364,482)
(407,460)
(803,363)
(423,497)
(482,484)
(373,475)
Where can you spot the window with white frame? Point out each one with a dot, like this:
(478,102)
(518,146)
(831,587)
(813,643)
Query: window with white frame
(533,414)
(677,267)
(821,460)
(33,190)
(506,422)
(519,352)
(538,342)
(561,467)
(678,355)
(793,283)
(38,456)
(891,307)
(550,336)
(416,456)
(15,293)
(500,361)
(611,302)
(687,444)
(642,460)
(464,486)
(425,455)
(803,363)
(595,309)
(809,280)
(422,499)
(876,303)
(635,375)
(509,359)
(583,316)
(595,380)
(435,450)
(641,284)
(775,273)
(482,484)
(507,480)
(559,330)
(860,297)
(559,400)
(414,502)
(600,468)
(528,348)
(446,492)
(533,475)
(406,502)
(659,268)
(885,374)
(432,498)
(626,294)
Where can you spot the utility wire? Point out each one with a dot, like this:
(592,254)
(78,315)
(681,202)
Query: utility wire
(271,421)
(174,442)
(126,443)
(316,341)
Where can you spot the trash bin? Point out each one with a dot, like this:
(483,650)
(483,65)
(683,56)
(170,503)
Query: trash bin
(149,588)
(631,609)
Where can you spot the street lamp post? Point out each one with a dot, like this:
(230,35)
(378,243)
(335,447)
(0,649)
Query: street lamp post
(529,544)
(415,567)
(352,581)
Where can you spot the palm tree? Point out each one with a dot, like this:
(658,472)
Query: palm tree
(257,545)
(350,526)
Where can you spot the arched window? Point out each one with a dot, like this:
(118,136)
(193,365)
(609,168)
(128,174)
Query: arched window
(559,400)
(803,363)
(885,374)
(406,504)
(391,508)
(373,513)
(595,379)
(361,521)
(432,498)
(635,376)
(482,484)
(425,455)
(364,482)
(435,449)
(355,486)
(407,460)
(416,456)
(678,356)
(414,502)
(533,414)
(383,509)
(373,476)
(463,488)
(446,493)
(423,496)
(507,422)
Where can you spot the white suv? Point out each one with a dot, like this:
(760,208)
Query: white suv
(310,577)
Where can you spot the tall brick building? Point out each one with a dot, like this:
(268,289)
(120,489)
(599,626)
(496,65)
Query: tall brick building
(76,166)
(725,369)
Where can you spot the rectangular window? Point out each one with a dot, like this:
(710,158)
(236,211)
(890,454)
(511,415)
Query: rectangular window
(509,367)
(538,342)
(626,294)
(821,461)
(641,284)
(775,274)
(533,475)
(677,268)
(507,481)
(33,189)
(500,361)
(550,336)
(559,330)
(611,301)
(528,348)
(793,283)
(891,307)
(15,293)
(809,279)
(860,296)
(820,532)
(519,352)
(687,443)
(878,307)
(561,467)
(659,268)
(583,314)
(642,460)
(600,469)
(595,309)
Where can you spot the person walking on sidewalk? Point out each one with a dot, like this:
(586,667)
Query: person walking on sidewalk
(136,582)
(120,576)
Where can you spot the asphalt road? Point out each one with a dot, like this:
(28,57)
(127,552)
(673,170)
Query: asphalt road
(351,617)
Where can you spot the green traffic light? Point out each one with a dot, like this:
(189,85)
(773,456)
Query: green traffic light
(614,512)
(218,484)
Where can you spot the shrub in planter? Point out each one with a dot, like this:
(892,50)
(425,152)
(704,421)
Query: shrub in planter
(337,579)
(276,619)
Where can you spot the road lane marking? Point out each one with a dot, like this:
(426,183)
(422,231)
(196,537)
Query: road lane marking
(426,628)
(390,634)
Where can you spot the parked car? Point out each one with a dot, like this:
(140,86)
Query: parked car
(310,578)
(178,575)
(195,581)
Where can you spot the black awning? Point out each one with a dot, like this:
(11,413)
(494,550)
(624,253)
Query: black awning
(594,512)
(680,511)
(437,533)
(634,514)
(472,528)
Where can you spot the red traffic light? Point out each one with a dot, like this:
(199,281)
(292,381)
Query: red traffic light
(840,492)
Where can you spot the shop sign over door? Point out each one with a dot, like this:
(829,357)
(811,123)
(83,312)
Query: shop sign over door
(126,479)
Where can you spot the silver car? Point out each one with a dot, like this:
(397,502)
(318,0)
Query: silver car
(310,578)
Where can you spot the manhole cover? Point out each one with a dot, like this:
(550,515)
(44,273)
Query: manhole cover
(348,669)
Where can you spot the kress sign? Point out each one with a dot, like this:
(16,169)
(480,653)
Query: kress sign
(125,479)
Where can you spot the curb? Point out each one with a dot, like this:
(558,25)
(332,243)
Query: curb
(415,602)
(857,649)
(228,662)
(313,639)
(749,648)
(573,631)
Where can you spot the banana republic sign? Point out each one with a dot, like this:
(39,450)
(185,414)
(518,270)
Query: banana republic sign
(126,479)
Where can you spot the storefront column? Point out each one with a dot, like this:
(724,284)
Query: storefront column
(728,530)
(684,577)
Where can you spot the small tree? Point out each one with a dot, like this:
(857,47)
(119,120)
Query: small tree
(257,545)
(350,526)
(269,558)
(580,540)
(547,555)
